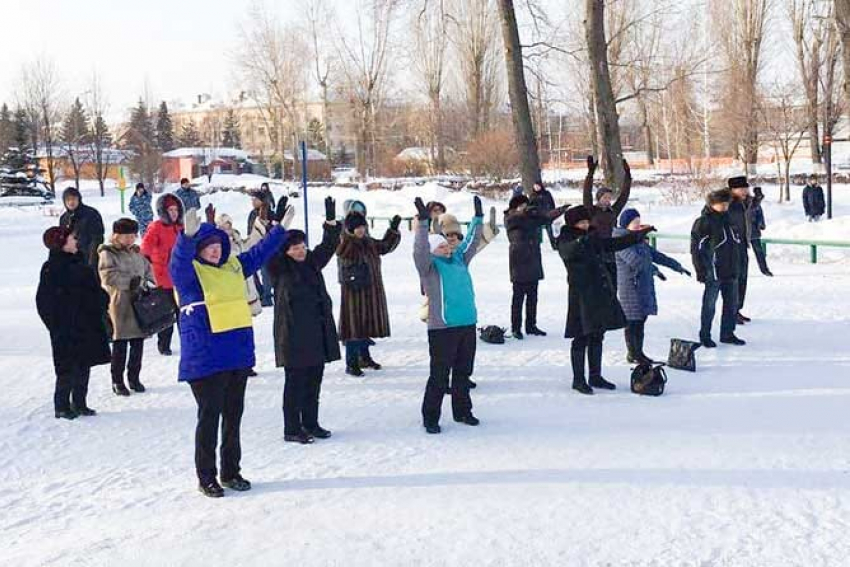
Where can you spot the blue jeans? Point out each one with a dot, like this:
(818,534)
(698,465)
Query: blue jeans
(729,290)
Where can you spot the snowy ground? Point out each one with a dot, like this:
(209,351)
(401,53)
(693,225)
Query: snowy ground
(743,463)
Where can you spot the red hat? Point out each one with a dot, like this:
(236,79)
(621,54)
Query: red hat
(171,201)
(55,237)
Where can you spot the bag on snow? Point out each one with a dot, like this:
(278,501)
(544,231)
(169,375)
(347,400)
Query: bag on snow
(648,379)
(682,355)
(155,310)
(356,277)
(492,334)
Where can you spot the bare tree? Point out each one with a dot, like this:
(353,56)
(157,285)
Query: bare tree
(741,26)
(365,60)
(41,97)
(842,21)
(319,16)
(100,139)
(784,123)
(476,40)
(810,29)
(430,21)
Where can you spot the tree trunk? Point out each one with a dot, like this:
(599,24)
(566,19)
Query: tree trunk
(529,159)
(842,18)
(647,131)
(593,127)
(606,106)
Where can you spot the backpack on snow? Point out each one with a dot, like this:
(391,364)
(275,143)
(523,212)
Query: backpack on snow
(649,379)
(492,334)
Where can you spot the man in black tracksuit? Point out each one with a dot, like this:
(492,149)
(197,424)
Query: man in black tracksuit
(85,222)
(715,250)
(739,218)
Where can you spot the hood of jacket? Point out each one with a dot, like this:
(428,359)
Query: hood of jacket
(163,214)
(207,230)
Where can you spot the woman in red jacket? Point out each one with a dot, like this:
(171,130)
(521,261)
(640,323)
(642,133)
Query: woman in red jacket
(157,245)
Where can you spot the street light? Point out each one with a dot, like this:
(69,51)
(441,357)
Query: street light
(827,147)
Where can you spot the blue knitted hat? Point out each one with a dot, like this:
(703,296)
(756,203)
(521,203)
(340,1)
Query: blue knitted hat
(627,217)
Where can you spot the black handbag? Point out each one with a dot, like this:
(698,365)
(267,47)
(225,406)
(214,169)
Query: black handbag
(649,379)
(356,277)
(492,334)
(155,310)
(682,355)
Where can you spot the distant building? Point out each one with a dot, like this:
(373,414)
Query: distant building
(84,156)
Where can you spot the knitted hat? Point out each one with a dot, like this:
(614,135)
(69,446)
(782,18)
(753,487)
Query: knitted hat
(170,201)
(55,237)
(353,220)
(449,224)
(517,201)
(628,216)
(293,238)
(184,180)
(213,238)
(125,226)
(719,196)
(737,182)
(601,191)
(433,205)
(435,241)
(575,215)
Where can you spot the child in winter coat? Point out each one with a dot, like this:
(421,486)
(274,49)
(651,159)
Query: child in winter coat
(140,206)
(216,339)
(636,272)
(123,270)
(592,299)
(715,252)
(157,245)
(363,310)
(451,319)
(305,337)
(72,306)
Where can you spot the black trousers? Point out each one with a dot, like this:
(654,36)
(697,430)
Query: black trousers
(163,338)
(301,398)
(742,276)
(527,293)
(591,346)
(119,360)
(72,387)
(219,397)
(635,336)
(713,289)
(761,255)
(452,352)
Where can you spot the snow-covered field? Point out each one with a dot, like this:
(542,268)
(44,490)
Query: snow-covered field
(743,463)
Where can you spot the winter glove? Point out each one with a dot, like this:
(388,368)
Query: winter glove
(396,220)
(479,210)
(627,169)
(280,211)
(660,275)
(701,277)
(592,164)
(210,213)
(330,209)
(494,228)
(135,282)
(684,272)
(646,229)
(191,223)
(288,215)
(421,209)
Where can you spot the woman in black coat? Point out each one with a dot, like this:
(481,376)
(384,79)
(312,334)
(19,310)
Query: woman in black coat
(593,306)
(73,307)
(305,336)
(523,225)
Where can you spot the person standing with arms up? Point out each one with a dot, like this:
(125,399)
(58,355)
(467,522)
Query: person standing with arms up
(604,214)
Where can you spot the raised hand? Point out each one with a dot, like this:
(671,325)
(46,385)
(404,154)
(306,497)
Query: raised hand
(396,220)
(191,222)
(210,213)
(592,164)
(330,209)
(627,169)
(421,209)
(493,226)
(685,272)
(479,211)
(647,228)
(280,211)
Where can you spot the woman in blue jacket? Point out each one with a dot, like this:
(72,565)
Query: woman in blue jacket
(217,338)
(636,271)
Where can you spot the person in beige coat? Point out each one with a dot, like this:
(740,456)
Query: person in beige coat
(123,270)
(239,245)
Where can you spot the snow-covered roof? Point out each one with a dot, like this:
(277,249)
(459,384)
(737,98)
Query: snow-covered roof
(312,155)
(85,152)
(208,153)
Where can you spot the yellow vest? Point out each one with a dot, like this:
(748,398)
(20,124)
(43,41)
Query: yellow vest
(224,295)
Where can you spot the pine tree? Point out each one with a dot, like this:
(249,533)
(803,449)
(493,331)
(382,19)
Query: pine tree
(75,127)
(141,139)
(189,135)
(164,129)
(7,129)
(22,129)
(231,138)
(101,141)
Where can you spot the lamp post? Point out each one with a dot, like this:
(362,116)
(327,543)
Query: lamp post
(827,147)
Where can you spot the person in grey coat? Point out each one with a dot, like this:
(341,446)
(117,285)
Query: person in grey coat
(636,272)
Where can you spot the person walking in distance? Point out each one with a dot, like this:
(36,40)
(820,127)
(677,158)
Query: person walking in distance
(141,207)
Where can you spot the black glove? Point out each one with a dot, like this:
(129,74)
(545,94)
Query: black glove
(396,220)
(592,164)
(421,209)
(330,209)
(210,213)
(135,282)
(627,169)
(281,209)
(479,210)
(660,275)
(685,272)
(647,229)
(701,277)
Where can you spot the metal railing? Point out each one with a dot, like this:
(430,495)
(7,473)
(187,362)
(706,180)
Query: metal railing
(812,244)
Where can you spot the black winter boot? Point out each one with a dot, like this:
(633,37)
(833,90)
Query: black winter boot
(303,438)
(237,483)
(66,414)
(137,386)
(581,387)
(600,382)
(318,432)
(120,389)
(535,332)
(517,334)
(211,488)
(367,362)
(432,428)
(354,370)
